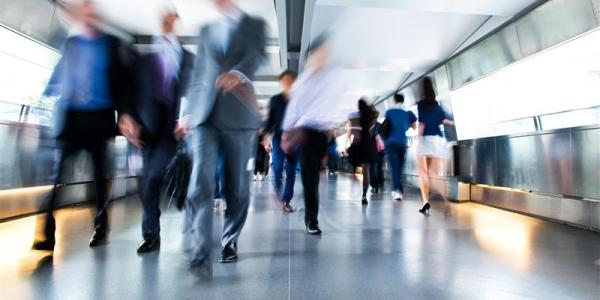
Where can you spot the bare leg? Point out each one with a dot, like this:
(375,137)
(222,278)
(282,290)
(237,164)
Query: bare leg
(423,178)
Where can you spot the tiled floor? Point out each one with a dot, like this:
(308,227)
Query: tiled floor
(386,250)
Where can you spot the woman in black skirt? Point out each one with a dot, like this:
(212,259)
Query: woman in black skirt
(363,150)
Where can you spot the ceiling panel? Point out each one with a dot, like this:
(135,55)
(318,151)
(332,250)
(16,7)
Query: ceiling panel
(142,16)
(478,7)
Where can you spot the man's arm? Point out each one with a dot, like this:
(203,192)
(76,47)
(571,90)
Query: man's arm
(197,83)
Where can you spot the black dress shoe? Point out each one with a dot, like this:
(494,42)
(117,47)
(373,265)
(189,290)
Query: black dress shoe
(229,254)
(44,245)
(313,230)
(98,238)
(149,245)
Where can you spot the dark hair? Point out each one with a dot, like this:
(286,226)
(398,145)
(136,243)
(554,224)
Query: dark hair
(363,107)
(428,92)
(398,98)
(288,73)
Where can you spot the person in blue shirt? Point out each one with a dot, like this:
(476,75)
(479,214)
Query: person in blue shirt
(93,80)
(398,121)
(432,151)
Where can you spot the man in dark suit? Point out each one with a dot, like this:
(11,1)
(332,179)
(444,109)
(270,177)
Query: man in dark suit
(161,79)
(221,112)
(93,80)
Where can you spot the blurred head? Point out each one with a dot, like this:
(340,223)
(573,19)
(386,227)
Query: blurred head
(286,79)
(169,18)
(225,6)
(318,52)
(86,13)
(398,98)
(428,92)
(363,106)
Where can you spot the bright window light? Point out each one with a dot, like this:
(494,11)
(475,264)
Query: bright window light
(563,78)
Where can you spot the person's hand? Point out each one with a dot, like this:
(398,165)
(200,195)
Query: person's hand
(266,141)
(182,127)
(228,81)
(131,130)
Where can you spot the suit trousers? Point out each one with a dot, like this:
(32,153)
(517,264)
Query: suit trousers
(235,146)
(68,148)
(156,158)
(312,152)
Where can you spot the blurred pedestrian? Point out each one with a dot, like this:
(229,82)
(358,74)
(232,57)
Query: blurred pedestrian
(376,169)
(333,157)
(93,79)
(281,160)
(222,114)
(397,122)
(161,80)
(363,150)
(432,151)
(311,115)
(261,158)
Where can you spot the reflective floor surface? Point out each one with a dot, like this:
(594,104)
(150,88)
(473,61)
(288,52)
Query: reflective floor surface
(386,250)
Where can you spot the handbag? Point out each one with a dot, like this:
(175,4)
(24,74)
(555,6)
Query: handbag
(177,176)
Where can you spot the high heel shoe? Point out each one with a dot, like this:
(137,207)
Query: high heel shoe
(364,200)
(425,208)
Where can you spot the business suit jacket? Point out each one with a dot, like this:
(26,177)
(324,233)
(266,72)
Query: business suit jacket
(155,117)
(205,103)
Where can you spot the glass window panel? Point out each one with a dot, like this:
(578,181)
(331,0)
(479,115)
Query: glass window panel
(493,53)
(554,22)
(27,66)
(563,78)
(571,118)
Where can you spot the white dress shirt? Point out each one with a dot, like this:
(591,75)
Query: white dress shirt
(170,51)
(314,101)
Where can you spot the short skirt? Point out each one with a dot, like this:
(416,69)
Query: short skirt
(433,146)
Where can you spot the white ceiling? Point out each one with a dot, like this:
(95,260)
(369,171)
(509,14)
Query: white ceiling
(380,42)
(142,16)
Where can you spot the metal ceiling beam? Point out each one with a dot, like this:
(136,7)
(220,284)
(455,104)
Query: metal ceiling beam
(309,9)
(281,12)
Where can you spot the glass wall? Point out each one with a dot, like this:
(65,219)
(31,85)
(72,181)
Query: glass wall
(27,66)
(539,72)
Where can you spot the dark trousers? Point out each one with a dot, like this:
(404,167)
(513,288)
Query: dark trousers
(396,155)
(332,160)
(68,147)
(312,152)
(376,171)
(156,158)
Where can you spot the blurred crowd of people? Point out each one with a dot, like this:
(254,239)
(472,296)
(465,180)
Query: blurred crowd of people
(175,105)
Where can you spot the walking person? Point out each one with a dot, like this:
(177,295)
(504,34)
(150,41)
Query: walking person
(363,150)
(376,170)
(432,152)
(93,79)
(332,157)
(311,116)
(261,158)
(162,77)
(221,112)
(281,160)
(397,122)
